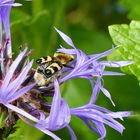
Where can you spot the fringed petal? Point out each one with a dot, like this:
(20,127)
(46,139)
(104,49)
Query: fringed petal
(99,116)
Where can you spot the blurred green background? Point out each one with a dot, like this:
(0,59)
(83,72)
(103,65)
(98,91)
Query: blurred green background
(86,22)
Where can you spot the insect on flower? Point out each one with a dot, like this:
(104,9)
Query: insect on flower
(50,67)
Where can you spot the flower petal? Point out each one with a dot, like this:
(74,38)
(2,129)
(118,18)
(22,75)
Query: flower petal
(107,94)
(63,116)
(19,93)
(59,115)
(46,131)
(116,64)
(99,116)
(21,112)
(65,38)
(13,86)
(12,70)
(55,106)
(95,90)
(120,114)
(41,128)
(111,73)
(0,31)
(101,129)
(73,136)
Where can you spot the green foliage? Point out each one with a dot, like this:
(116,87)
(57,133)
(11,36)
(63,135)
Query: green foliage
(3,116)
(133,7)
(126,37)
(24,132)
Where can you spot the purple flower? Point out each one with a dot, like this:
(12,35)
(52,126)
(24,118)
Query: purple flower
(11,84)
(95,116)
(60,115)
(85,66)
(58,118)
(15,89)
(88,66)
(21,95)
(5,8)
(11,89)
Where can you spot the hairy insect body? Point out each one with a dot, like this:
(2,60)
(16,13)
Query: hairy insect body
(50,67)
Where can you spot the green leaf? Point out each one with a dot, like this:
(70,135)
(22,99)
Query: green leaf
(25,132)
(3,116)
(133,7)
(127,37)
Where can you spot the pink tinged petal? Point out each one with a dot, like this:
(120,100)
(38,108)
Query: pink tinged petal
(13,86)
(116,64)
(21,112)
(107,94)
(73,136)
(12,70)
(19,93)
(55,108)
(65,38)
